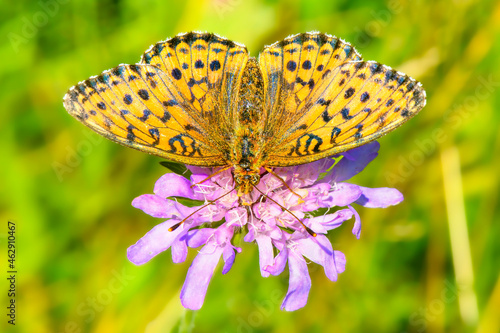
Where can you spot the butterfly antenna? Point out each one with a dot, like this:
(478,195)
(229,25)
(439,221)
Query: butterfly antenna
(177,225)
(214,174)
(309,231)
(284,183)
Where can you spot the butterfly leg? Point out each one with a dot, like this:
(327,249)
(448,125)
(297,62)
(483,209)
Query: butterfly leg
(301,200)
(214,174)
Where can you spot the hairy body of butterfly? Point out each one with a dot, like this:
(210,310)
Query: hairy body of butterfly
(199,99)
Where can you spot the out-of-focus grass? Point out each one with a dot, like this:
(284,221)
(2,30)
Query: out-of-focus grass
(74,224)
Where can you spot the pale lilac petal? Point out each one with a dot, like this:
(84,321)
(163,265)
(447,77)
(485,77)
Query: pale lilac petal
(155,241)
(266,254)
(179,251)
(319,249)
(250,236)
(198,277)
(356,230)
(323,223)
(228,255)
(155,206)
(280,260)
(174,185)
(315,196)
(237,216)
(224,179)
(266,210)
(344,194)
(339,261)
(316,225)
(381,197)
(299,284)
(198,237)
(353,162)
(269,183)
(199,170)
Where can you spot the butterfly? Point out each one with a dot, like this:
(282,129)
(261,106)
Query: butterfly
(200,99)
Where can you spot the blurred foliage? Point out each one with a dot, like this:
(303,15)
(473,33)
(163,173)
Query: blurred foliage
(69,191)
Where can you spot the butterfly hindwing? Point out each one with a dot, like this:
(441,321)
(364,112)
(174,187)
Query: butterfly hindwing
(137,106)
(357,103)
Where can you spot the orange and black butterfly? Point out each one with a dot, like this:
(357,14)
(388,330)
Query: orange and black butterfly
(200,99)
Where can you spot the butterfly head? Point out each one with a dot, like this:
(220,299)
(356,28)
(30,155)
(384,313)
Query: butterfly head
(245,177)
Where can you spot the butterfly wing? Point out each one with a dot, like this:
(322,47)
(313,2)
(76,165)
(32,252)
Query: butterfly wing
(206,69)
(155,108)
(325,99)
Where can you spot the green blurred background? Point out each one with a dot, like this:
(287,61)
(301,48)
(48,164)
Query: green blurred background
(430,264)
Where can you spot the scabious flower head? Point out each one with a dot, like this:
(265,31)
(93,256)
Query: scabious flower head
(321,184)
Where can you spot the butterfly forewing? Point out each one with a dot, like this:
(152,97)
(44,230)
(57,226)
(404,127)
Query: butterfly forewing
(137,106)
(176,103)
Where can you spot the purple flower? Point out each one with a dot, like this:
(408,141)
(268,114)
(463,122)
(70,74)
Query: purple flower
(273,222)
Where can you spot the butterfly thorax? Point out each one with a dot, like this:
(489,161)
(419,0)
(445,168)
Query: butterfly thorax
(246,146)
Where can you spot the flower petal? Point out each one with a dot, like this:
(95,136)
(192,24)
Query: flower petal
(179,251)
(199,170)
(199,275)
(299,285)
(356,229)
(319,249)
(353,162)
(339,261)
(198,237)
(343,195)
(155,241)
(327,222)
(266,254)
(237,216)
(381,197)
(174,185)
(155,206)
(280,260)
(228,255)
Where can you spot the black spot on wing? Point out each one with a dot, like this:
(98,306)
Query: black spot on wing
(215,65)
(349,92)
(176,73)
(143,93)
(335,133)
(326,117)
(127,99)
(155,134)
(364,97)
(145,115)
(169,103)
(345,114)
(198,64)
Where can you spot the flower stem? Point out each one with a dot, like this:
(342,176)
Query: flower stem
(187,321)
